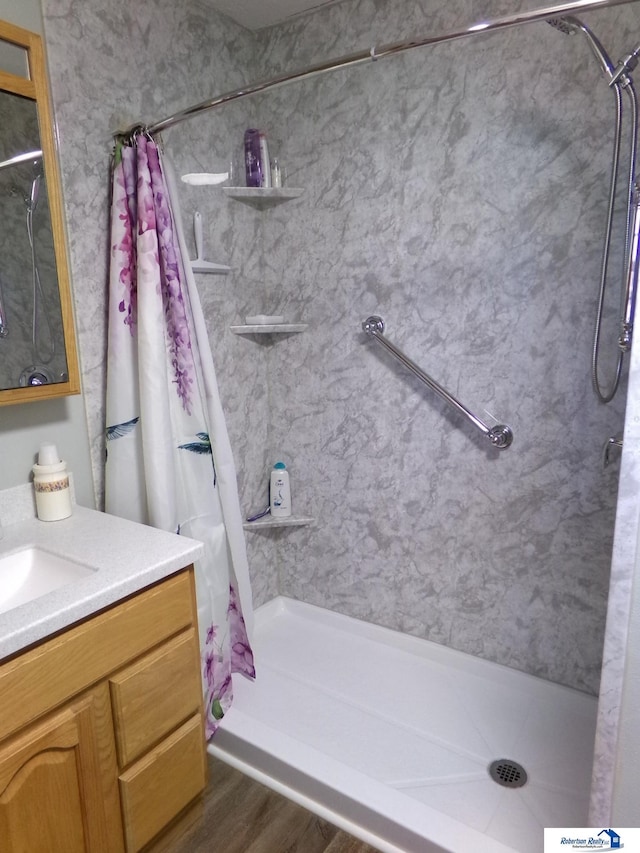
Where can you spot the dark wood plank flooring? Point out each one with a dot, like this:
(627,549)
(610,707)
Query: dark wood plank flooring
(238,815)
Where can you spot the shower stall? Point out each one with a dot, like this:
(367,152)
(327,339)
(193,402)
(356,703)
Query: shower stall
(444,614)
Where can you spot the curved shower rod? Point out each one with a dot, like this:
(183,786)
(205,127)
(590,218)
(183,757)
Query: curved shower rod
(373,54)
(21,158)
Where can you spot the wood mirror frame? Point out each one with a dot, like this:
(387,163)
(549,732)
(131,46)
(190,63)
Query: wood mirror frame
(35,87)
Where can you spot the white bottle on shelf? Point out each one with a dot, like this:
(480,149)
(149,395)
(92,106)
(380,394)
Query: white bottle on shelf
(276,173)
(280,492)
(265,162)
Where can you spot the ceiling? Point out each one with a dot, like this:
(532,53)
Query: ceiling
(257,14)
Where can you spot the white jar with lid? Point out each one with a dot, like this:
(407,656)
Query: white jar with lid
(51,483)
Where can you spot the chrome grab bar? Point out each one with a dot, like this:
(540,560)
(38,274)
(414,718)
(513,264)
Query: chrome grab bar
(501,436)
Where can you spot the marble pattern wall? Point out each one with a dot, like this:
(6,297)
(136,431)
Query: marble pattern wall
(232,235)
(615,683)
(460,192)
(113,64)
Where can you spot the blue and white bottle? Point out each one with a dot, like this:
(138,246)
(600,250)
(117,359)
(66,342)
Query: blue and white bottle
(280,491)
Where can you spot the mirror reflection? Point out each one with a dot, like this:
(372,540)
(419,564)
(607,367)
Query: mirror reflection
(38,358)
(32,348)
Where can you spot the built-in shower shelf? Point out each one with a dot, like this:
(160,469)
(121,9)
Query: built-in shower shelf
(209,268)
(266,523)
(269,329)
(262,197)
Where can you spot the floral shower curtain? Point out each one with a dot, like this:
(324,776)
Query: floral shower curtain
(169,461)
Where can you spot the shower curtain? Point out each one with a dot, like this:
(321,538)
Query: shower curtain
(169,461)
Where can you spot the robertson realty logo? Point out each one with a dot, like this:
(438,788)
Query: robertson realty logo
(592,839)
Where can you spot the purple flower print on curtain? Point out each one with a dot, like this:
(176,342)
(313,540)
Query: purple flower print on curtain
(153,214)
(124,210)
(163,429)
(241,654)
(218,694)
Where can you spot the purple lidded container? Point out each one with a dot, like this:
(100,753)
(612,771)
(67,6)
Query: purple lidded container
(252,160)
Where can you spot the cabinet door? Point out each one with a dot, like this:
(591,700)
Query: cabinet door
(58,783)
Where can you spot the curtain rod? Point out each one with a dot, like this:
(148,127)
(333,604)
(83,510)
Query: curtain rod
(21,158)
(381,52)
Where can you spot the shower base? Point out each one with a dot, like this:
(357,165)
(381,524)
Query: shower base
(390,737)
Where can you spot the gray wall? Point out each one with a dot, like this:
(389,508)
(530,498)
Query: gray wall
(24,427)
(459,192)
(111,65)
(27,14)
(617,767)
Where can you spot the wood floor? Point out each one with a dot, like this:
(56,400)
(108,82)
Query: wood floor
(238,815)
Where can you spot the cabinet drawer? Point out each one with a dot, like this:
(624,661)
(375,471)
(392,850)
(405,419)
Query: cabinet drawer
(155,789)
(153,696)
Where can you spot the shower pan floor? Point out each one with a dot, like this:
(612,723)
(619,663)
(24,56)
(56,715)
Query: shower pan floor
(390,737)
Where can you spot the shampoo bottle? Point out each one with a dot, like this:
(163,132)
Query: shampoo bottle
(280,492)
(256,158)
(51,483)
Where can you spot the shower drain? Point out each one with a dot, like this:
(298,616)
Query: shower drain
(508,773)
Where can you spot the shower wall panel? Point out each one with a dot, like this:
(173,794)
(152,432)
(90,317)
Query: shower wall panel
(113,64)
(460,192)
(233,236)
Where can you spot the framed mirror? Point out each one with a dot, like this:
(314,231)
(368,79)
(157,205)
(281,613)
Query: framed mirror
(38,354)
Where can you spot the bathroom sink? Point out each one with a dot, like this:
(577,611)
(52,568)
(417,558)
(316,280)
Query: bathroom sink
(31,572)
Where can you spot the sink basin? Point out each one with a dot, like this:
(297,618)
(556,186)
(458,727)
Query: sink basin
(31,573)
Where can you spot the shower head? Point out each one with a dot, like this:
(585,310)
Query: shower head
(570,26)
(564,25)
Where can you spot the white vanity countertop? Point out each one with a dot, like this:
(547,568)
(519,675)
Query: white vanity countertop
(126,557)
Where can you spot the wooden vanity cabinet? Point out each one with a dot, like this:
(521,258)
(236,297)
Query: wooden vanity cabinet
(101,728)
(57,782)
